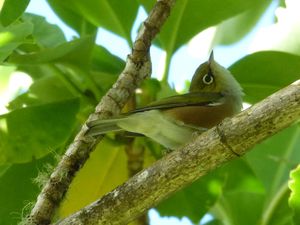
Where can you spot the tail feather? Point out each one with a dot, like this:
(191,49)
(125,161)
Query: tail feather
(99,127)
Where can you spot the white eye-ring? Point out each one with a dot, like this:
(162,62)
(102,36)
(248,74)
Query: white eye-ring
(208,79)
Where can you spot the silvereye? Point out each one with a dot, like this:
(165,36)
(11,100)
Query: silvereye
(213,95)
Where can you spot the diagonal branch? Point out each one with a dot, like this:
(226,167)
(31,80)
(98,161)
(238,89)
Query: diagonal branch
(138,67)
(206,152)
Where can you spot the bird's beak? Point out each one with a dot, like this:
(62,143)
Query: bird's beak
(211,57)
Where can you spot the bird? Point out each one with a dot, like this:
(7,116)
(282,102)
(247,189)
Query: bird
(213,95)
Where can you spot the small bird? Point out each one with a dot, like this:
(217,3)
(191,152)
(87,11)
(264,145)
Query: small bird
(213,95)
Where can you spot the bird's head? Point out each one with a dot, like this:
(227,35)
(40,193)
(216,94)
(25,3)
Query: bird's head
(212,77)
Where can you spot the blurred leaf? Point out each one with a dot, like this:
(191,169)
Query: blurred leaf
(32,132)
(13,36)
(12,10)
(238,208)
(189,17)
(235,28)
(72,18)
(17,190)
(105,170)
(104,61)
(195,200)
(263,73)
(283,35)
(5,72)
(294,200)
(66,52)
(114,15)
(46,35)
(45,90)
(271,161)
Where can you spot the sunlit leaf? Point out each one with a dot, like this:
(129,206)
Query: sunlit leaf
(294,200)
(105,169)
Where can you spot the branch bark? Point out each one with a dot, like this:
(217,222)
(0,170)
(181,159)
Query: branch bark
(138,67)
(206,152)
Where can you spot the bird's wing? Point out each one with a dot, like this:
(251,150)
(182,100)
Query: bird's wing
(189,99)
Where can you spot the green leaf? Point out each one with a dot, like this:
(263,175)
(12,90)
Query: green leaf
(189,17)
(195,200)
(235,28)
(12,10)
(105,170)
(45,35)
(32,132)
(13,36)
(72,18)
(77,52)
(263,73)
(17,191)
(271,161)
(237,208)
(45,90)
(104,61)
(294,200)
(114,15)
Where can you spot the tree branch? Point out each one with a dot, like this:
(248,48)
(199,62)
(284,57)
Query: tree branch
(206,152)
(138,67)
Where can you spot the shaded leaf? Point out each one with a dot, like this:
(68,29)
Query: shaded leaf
(33,132)
(12,10)
(45,35)
(263,73)
(195,200)
(66,52)
(17,191)
(294,200)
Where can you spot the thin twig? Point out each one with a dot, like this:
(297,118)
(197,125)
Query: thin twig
(138,67)
(183,166)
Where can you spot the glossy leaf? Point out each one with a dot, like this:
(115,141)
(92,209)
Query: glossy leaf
(12,10)
(263,73)
(13,36)
(32,132)
(294,200)
(189,17)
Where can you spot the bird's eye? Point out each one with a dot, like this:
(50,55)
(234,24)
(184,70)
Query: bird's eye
(208,79)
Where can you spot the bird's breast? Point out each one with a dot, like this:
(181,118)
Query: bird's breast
(202,116)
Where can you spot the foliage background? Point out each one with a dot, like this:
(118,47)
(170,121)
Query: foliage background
(69,78)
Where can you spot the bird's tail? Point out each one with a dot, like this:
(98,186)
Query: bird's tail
(99,127)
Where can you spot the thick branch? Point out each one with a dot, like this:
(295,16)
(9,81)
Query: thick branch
(138,67)
(206,152)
